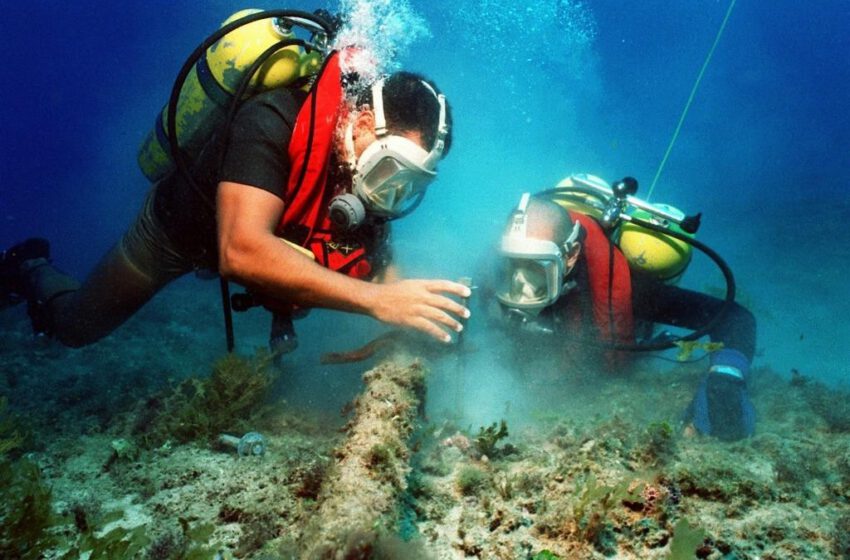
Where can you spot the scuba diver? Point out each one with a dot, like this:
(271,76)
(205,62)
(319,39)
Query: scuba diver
(292,197)
(588,265)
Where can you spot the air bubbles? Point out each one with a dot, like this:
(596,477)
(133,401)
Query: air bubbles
(384,30)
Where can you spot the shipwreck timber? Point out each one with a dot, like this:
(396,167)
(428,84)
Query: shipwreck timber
(359,498)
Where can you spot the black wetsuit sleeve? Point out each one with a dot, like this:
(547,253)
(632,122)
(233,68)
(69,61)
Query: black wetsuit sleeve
(671,305)
(256,146)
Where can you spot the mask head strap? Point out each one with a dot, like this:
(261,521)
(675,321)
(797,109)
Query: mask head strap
(378,108)
(519,221)
(442,127)
(572,238)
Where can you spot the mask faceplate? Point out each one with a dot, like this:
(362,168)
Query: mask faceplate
(533,271)
(393,172)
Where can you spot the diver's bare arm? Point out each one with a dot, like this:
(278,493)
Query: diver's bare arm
(250,254)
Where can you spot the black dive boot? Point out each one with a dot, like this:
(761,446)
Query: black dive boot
(12,288)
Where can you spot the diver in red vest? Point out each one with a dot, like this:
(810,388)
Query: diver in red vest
(294,203)
(562,278)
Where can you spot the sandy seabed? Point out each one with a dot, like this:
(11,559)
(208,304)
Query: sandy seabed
(609,473)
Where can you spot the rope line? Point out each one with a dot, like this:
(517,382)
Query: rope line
(690,99)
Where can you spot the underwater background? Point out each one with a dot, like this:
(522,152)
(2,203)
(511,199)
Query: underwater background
(539,90)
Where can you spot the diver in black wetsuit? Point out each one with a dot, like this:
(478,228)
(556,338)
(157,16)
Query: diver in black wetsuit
(562,277)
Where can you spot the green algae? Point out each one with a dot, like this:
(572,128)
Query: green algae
(10,434)
(25,510)
(202,408)
(593,512)
(471,480)
(659,443)
(488,438)
(686,540)
(29,527)
(688,347)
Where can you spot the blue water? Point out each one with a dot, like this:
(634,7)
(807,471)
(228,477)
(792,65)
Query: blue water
(539,90)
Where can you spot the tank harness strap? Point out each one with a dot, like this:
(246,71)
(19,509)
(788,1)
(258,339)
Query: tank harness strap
(210,85)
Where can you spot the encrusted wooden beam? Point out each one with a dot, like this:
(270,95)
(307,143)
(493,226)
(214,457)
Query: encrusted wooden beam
(359,498)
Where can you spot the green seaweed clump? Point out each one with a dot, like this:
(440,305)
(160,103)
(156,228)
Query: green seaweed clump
(383,459)
(10,436)
(659,443)
(545,555)
(488,438)
(203,408)
(471,481)
(121,542)
(117,543)
(592,513)
(25,510)
(686,540)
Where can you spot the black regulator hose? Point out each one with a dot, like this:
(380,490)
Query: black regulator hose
(559,193)
(727,301)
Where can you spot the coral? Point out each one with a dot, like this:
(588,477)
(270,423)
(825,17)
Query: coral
(487,438)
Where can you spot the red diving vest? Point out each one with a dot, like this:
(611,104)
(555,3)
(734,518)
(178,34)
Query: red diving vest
(306,219)
(612,316)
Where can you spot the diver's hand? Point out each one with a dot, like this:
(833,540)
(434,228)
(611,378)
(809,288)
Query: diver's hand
(423,305)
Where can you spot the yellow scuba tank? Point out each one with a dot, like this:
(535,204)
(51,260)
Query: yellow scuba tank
(582,202)
(209,87)
(652,253)
(648,252)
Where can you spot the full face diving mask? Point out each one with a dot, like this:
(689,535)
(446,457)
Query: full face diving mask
(533,270)
(393,172)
